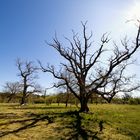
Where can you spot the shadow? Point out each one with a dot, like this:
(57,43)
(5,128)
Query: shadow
(101,125)
(9,104)
(43,108)
(30,123)
(70,125)
(78,130)
(8,115)
(72,121)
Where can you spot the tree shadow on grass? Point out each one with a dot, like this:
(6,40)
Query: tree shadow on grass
(30,123)
(8,115)
(72,124)
(78,129)
(43,108)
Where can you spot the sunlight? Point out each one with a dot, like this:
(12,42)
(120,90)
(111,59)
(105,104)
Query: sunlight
(134,12)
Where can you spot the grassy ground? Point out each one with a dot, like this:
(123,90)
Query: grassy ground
(41,122)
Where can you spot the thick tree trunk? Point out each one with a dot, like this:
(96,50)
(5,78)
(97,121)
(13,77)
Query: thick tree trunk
(24,94)
(84,105)
(23,99)
(109,101)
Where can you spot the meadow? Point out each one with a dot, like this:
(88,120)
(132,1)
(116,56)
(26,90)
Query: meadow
(53,122)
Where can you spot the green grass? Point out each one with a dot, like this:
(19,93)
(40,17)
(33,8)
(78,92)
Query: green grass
(42,122)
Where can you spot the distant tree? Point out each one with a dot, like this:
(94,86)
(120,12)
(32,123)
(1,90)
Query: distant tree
(60,98)
(135,101)
(126,97)
(100,71)
(12,88)
(28,74)
(68,95)
(63,87)
(94,98)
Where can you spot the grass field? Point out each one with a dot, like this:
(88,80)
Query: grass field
(42,122)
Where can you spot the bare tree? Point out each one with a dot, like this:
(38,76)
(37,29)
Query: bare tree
(63,86)
(28,74)
(12,88)
(101,71)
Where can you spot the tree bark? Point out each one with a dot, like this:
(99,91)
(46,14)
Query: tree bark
(84,105)
(23,99)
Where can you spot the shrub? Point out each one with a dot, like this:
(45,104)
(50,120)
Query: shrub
(134,101)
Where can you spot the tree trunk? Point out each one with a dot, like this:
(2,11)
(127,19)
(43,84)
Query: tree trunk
(24,94)
(84,105)
(10,98)
(23,99)
(66,103)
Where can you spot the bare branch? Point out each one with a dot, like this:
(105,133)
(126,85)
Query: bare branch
(27,73)
(88,72)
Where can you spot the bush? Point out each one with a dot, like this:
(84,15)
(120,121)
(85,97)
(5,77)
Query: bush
(134,101)
(39,101)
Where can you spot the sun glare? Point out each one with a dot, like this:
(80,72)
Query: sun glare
(134,12)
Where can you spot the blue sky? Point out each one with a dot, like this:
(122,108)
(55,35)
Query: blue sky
(25,24)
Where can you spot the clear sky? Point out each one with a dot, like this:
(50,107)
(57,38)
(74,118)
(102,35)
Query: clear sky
(25,24)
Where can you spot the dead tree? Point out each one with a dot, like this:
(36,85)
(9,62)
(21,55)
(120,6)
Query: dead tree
(12,88)
(28,74)
(100,71)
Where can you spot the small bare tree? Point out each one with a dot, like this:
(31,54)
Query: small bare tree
(101,71)
(12,88)
(63,86)
(28,74)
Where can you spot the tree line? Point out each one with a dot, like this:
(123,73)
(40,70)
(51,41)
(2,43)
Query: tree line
(67,99)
